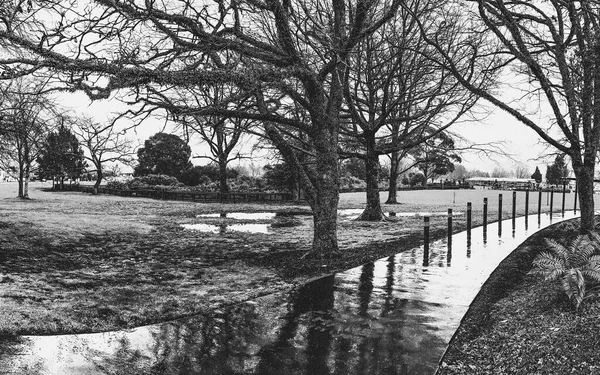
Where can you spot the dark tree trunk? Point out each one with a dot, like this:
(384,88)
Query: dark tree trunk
(20,182)
(223,187)
(99,177)
(393,188)
(296,188)
(325,202)
(585,186)
(373,210)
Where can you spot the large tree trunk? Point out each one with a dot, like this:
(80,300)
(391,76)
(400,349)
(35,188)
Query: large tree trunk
(585,187)
(223,187)
(321,187)
(373,210)
(393,188)
(325,202)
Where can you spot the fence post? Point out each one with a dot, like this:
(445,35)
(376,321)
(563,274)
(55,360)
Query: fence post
(499,215)
(540,203)
(485,209)
(563,197)
(499,207)
(575,199)
(514,206)
(469,209)
(551,200)
(449,227)
(526,204)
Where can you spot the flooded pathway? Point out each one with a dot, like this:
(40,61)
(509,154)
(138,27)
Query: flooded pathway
(392,316)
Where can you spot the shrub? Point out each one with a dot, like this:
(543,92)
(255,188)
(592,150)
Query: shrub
(417,179)
(577,266)
(117,185)
(154,182)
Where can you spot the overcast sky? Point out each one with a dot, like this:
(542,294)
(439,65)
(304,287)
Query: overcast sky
(519,141)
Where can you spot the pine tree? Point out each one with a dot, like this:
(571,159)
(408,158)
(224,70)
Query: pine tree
(537,175)
(61,157)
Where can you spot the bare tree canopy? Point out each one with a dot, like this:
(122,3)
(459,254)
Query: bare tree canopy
(26,116)
(287,54)
(550,54)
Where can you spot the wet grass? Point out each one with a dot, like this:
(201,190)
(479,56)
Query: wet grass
(73,262)
(519,324)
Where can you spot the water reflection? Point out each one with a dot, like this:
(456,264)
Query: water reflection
(240,215)
(224,228)
(392,316)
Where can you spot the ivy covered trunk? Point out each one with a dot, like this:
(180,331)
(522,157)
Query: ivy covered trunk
(584,173)
(373,210)
(325,202)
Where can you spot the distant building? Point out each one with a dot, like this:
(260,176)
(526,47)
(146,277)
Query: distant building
(502,183)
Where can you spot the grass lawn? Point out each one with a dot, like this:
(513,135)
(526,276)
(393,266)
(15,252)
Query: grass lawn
(73,262)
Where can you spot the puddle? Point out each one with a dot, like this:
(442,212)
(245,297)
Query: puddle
(211,228)
(250,228)
(241,215)
(205,228)
(392,316)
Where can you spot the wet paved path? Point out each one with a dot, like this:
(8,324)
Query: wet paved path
(393,316)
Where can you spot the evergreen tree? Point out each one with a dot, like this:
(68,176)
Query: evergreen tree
(61,157)
(537,175)
(556,172)
(163,154)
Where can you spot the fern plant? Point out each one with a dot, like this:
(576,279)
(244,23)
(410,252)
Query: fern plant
(577,265)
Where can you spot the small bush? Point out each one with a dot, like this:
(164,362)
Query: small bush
(117,185)
(154,182)
(155,179)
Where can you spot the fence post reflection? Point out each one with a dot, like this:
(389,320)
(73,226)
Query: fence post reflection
(426,241)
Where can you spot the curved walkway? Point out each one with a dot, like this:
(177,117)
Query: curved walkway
(393,316)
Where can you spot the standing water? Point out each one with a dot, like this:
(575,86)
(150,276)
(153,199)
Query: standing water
(393,316)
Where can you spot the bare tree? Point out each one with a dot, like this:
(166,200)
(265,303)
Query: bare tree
(222,134)
(499,172)
(105,143)
(289,52)
(399,97)
(26,116)
(521,171)
(553,48)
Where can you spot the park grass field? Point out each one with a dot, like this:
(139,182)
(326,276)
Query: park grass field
(73,262)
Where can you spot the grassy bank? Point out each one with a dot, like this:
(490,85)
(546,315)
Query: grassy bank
(520,324)
(72,262)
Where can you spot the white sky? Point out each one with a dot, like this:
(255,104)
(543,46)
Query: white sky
(519,141)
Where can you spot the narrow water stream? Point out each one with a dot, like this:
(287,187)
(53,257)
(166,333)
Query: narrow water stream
(392,316)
